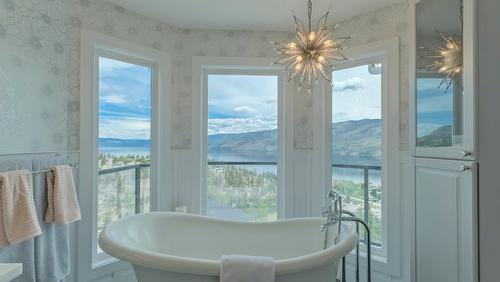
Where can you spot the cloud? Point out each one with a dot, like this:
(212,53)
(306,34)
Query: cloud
(271,101)
(114,99)
(242,96)
(352,84)
(339,116)
(125,128)
(239,125)
(245,110)
(107,66)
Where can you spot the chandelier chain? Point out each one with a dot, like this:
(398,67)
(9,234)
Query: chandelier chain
(309,13)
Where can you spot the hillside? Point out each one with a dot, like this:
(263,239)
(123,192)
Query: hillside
(117,143)
(354,142)
(438,138)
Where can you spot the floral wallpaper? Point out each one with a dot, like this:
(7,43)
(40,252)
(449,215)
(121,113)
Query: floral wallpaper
(39,66)
(381,24)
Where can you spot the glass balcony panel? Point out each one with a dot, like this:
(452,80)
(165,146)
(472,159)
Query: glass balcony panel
(361,190)
(121,193)
(375,207)
(145,190)
(242,192)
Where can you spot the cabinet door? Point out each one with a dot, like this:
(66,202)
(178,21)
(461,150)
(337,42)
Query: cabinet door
(442,91)
(445,231)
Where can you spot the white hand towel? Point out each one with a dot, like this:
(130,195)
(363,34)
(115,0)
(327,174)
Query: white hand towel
(236,268)
(18,219)
(62,206)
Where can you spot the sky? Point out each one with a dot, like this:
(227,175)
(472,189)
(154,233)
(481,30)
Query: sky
(245,103)
(242,103)
(124,100)
(248,103)
(356,94)
(434,105)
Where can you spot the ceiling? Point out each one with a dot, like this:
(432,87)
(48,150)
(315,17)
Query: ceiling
(442,15)
(272,15)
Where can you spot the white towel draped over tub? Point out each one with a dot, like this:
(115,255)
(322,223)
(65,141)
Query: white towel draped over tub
(237,268)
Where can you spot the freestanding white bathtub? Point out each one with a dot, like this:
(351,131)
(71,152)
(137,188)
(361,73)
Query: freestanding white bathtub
(176,247)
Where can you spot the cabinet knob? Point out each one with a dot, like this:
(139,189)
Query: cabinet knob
(466,153)
(464,167)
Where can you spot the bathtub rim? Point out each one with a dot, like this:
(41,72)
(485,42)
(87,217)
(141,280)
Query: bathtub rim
(197,266)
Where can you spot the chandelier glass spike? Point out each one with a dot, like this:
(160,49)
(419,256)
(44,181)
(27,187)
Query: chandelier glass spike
(314,52)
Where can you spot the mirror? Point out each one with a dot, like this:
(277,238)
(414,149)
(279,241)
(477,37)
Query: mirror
(439,73)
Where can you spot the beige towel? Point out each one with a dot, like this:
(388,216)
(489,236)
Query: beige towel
(62,205)
(18,219)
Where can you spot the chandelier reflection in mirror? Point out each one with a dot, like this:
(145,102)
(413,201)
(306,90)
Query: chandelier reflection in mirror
(314,52)
(448,60)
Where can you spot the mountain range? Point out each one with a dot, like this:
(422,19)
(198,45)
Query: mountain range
(353,142)
(440,137)
(123,143)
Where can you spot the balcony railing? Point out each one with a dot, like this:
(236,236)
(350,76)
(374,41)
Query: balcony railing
(242,190)
(241,163)
(366,188)
(365,169)
(137,183)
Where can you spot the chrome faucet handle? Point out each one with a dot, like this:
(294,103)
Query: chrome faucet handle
(324,212)
(333,212)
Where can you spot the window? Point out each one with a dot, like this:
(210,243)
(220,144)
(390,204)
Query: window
(124,161)
(364,149)
(357,143)
(123,86)
(242,146)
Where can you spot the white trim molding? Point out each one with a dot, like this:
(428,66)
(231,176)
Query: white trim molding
(93,45)
(386,51)
(195,199)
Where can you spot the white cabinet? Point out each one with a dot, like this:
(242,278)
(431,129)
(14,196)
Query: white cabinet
(442,95)
(444,221)
(443,135)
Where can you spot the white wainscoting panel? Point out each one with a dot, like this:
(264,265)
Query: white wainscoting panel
(298,184)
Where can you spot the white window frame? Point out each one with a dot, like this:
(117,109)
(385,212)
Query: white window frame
(93,46)
(204,66)
(387,259)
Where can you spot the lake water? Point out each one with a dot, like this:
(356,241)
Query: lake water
(355,175)
(124,151)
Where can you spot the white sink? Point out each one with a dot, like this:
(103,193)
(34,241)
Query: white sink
(9,271)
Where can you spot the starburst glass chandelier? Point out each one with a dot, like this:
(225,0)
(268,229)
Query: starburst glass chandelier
(312,56)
